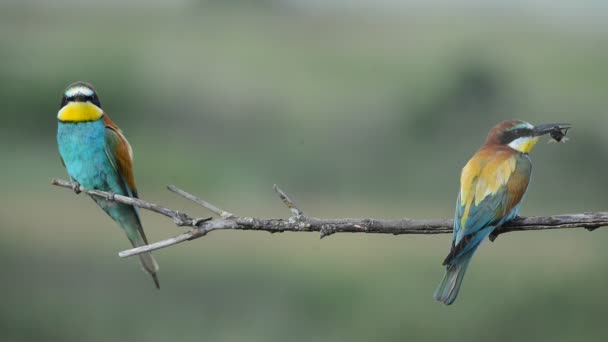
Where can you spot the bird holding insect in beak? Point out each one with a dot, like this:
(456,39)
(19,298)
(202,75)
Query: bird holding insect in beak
(492,186)
(97,155)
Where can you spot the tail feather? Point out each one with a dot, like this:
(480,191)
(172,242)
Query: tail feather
(447,291)
(147,261)
(127,218)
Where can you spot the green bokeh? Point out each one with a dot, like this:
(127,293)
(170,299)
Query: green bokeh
(354,111)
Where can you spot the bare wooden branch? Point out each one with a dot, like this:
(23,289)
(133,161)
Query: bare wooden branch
(298,222)
(178,218)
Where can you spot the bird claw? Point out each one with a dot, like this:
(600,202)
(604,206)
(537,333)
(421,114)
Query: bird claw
(76,188)
(493,236)
(110,196)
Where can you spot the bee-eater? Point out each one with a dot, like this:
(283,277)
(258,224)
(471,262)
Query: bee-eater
(97,155)
(492,186)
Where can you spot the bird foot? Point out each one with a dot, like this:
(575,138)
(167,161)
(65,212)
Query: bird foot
(493,236)
(111,196)
(76,187)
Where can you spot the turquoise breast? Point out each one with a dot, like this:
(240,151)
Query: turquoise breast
(81,146)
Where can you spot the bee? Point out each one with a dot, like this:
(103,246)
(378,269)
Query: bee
(559,135)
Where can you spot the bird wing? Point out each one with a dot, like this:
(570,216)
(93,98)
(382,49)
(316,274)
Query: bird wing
(120,155)
(492,185)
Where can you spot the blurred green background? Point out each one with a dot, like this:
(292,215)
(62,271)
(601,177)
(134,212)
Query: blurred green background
(356,110)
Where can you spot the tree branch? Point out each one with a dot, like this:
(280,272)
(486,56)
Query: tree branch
(299,222)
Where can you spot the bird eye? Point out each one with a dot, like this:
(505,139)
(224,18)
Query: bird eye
(520,132)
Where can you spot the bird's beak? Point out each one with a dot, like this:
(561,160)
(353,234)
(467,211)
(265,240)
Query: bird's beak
(80,98)
(549,128)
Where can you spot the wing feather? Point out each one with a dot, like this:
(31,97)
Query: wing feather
(120,154)
(492,186)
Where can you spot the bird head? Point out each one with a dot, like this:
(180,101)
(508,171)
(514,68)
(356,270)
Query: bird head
(520,135)
(80,103)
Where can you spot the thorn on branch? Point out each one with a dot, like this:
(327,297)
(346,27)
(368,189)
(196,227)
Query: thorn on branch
(197,222)
(326,230)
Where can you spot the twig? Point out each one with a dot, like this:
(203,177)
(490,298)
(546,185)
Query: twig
(218,211)
(288,202)
(301,223)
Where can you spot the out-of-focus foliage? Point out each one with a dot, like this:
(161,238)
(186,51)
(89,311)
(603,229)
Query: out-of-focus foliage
(355,110)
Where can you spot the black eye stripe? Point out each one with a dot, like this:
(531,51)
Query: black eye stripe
(511,135)
(80,98)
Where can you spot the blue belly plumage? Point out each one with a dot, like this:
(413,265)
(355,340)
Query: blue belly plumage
(81,146)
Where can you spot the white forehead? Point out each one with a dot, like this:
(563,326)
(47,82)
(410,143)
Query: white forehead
(79,89)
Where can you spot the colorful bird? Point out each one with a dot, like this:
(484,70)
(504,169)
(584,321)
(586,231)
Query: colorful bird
(492,185)
(97,155)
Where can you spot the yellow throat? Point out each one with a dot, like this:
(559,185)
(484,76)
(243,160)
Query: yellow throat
(523,144)
(79,112)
